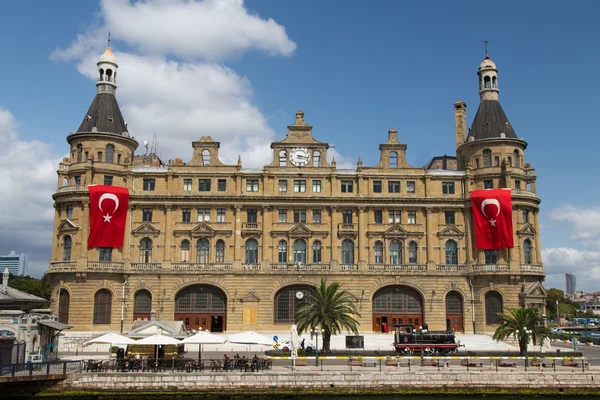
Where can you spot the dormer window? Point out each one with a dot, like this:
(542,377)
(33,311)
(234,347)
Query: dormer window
(205,157)
(393,159)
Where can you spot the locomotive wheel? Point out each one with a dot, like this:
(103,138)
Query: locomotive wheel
(407,351)
(428,351)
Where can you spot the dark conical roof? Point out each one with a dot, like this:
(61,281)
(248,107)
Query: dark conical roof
(104,115)
(490,122)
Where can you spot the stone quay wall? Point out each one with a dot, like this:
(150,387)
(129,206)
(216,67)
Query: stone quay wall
(536,381)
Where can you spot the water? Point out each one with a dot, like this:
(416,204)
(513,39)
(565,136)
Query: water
(242,396)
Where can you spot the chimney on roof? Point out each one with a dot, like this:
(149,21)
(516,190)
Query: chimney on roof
(5,280)
(460,122)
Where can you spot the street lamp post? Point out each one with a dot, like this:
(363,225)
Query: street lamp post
(422,331)
(526,333)
(316,333)
(557,315)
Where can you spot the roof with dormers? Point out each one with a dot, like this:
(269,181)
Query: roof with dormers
(490,122)
(105,115)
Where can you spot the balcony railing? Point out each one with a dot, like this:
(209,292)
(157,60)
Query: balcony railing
(532,268)
(397,267)
(63,266)
(71,188)
(251,267)
(251,226)
(300,267)
(451,268)
(106,265)
(490,268)
(185,266)
(146,266)
(523,192)
(347,227)
(348,267)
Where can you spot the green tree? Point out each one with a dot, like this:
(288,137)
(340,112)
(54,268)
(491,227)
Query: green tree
(517,321)
(329,308)
(37,287)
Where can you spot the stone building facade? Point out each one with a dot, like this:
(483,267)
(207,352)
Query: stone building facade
(227,248)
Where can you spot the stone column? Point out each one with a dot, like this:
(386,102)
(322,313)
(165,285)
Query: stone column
(85,230)
(429,239)
(266,227)
(56,250)
(468,238)
(332,233)
(168,230)
(127,238)
(513,254)
(362,263)
(237,236)
(538,248)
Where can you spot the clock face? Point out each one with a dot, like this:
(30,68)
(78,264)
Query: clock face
(299,157)
(299,295)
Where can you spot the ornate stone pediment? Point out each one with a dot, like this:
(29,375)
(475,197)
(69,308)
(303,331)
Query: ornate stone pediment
(526,230)
(250,298)
(67,226)
(300,231)
(146,229)
(202,229)
(450,231)
(534,289)
(396,231)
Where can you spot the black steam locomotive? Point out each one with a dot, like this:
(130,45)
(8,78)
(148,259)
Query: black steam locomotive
(408,341)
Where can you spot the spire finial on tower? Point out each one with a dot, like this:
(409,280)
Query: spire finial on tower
(109,40)
(485,43)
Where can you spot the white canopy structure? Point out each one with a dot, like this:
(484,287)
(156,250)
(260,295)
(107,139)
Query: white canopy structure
(110,338)
(203,337)
(294,344)
(158,340)
(250,338)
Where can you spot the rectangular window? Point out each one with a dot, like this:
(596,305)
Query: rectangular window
(108,180)
(69,211)
(316,216)
(186,215)
(525,216)
(187,185)
(147,214)
(300,216)
(251,185)
(220,215)
(104,253)
(449,217)
(378,216)
(410,187)
(347,186)
(149,184)
(222,185)
(509,160)
(394,217)
(99,156)
(282,216)
(204,215)
(251,215)
(78,180)
(299,186)
(316,186)
(393,187)
(347,216)
(283,185)
(448,187)
(376,186)
(477,163)
(412,217)
(496,161)
(491,257)
(204,185)
(517,184)
(488,184)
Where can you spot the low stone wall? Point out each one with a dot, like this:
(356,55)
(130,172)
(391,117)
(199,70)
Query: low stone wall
(534,382)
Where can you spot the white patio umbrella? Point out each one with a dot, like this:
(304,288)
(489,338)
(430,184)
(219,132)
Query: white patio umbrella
(111,338)
(158,340)
(294,344)
(250,338)
(203,337)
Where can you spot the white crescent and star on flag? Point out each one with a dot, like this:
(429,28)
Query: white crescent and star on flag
(490,202)
(113,197)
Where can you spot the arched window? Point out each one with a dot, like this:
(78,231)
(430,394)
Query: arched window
(487,158)
(142,304)
(393,159)
(202,250)
(493,307)
(527,252)
(251,251)
(101,70)
(146,250)
(412,252)
(395,252)
(516,159)
(65,182)
(79,152)
(347,252)
(110,153)
(282,158)
(185,250)
(316,252)
(316,158)
(220,251)
(487,82)
(64,300)
(205,157)
(494,82)
(451,252)
(102,306)
(282,252)
(378,250)
(454,303)
(288,300)
(491,257)
(67,244)
(300,251)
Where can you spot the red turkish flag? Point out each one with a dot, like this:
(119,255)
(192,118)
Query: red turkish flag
(492,218)
(108,213)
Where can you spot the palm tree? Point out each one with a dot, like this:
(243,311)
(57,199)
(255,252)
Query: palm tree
(329,308)
(517,321)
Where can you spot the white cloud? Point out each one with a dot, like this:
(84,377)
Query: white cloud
(29,179)
(584,262)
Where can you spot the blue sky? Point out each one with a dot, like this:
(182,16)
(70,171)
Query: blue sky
(239,71)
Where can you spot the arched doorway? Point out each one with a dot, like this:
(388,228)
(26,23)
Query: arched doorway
(454,312)
(397,305)
(63,306)
(202,306)
(142,305)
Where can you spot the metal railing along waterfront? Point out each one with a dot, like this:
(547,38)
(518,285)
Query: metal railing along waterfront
(40,369)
